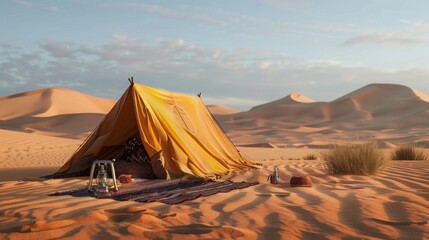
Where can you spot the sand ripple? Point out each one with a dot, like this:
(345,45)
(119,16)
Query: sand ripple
(390,205)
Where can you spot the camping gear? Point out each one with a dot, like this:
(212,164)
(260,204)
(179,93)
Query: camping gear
(274,178)
(102,185)
(177,131)
(102,180)
(125,178)
(166,191)
(300,181)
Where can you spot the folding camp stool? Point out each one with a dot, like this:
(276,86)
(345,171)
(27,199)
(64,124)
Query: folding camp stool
(105,162)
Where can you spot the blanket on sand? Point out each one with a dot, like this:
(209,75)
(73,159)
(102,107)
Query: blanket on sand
(165,191)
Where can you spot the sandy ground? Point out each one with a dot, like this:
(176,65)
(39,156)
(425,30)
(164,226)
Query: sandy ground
(391,205)
(37,136)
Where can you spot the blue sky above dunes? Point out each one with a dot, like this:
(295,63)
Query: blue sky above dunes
(237,53)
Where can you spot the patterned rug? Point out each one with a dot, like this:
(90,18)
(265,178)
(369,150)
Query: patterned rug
(165,191)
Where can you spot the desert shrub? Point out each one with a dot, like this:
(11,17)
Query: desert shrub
(360,158)
(409,152)
(310,157)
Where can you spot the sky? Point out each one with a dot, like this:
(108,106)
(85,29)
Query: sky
(238,53)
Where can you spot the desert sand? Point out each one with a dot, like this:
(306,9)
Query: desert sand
(40,131)
(390,114)
(221,110)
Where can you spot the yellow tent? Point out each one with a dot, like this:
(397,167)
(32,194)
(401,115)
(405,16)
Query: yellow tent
(177,131)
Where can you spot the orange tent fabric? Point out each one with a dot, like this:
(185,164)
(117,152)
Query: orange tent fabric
(177,131)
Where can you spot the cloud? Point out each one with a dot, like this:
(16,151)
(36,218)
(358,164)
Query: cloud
(417,25)
(24,3)
(236,22)
(180,12)
(5,45)
(386,39)
(54,9)
(37,5)
(412,33)
(239,78)
(283,4)
(59,50)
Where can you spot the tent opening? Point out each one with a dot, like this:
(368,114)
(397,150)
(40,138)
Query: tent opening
(135,160)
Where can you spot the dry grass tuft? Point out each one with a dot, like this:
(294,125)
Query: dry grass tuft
(409,152)
(310,157)
(360,158)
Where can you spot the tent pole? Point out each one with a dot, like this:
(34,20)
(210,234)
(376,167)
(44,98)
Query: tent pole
(131,80)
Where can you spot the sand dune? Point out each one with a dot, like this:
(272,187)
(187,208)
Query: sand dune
(221,110)
(53,112)
(293,98)
(297,97)
(51,102)
(74,126)
(385,112)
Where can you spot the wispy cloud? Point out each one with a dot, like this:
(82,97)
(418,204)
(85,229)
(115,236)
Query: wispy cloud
(237,22)
(178,12)
(23,3)
(54,8)
(387,39)
(5,45)
(412,33)
(284,4)
(416,24)
(38,4)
